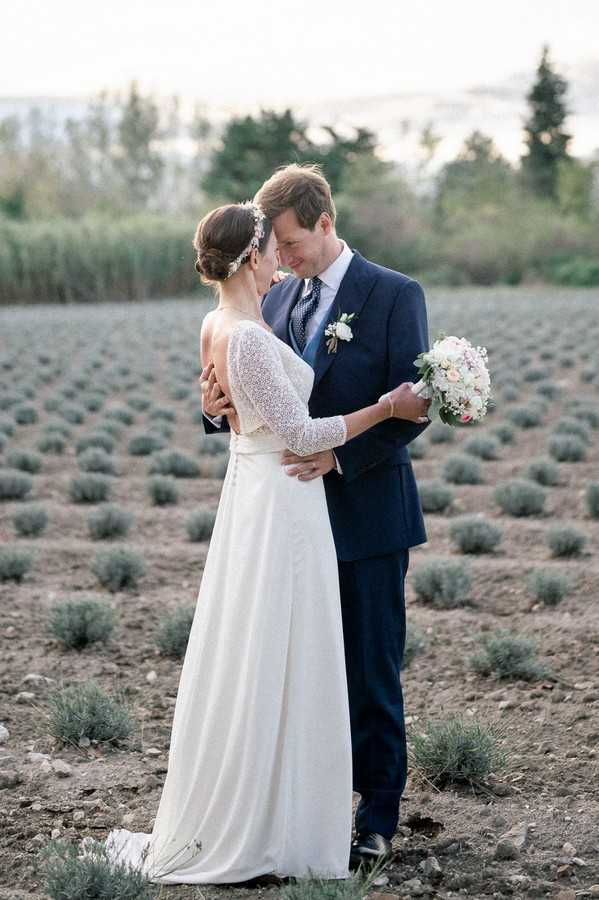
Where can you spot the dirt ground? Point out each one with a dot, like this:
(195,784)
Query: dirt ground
(549,788)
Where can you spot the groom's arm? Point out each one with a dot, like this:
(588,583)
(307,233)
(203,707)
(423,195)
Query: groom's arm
(218,425)
(407,336)
(211,398)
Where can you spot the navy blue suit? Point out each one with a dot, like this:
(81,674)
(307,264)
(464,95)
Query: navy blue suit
(374,509)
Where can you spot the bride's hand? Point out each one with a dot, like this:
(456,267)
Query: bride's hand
(279,276)
(405,404)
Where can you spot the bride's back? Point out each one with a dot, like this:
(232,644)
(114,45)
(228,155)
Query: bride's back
(214,342)
(216,330)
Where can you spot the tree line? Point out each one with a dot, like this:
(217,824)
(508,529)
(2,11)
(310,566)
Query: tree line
(479,219)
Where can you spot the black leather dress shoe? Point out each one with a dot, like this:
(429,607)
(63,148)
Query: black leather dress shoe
(368,848)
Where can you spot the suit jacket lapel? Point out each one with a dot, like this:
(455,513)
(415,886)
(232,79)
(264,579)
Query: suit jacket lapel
(311,349)
(351,297)
(290,291)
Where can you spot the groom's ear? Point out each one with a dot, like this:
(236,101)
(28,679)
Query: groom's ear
(326,223)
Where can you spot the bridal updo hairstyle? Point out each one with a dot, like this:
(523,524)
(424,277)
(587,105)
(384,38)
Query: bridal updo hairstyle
(221,236)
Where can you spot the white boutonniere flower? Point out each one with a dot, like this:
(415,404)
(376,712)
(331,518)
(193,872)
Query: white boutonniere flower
(339,330)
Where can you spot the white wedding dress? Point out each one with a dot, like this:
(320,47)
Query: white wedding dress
(259,770)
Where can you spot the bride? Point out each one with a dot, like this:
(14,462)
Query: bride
(259,770)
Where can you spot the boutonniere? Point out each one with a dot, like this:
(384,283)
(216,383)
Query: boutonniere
(339,330)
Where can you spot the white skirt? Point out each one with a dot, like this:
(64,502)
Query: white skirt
(259,771)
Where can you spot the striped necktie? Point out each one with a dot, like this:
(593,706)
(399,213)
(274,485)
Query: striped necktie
(303,311)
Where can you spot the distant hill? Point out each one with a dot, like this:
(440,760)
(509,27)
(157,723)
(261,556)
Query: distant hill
(496,109)
(58,108)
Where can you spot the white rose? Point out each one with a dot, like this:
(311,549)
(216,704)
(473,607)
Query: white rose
(448,349)
(343,331)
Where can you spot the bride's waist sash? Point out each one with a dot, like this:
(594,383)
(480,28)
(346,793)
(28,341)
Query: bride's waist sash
(260,442)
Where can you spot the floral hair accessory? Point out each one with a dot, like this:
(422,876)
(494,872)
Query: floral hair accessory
(256,237)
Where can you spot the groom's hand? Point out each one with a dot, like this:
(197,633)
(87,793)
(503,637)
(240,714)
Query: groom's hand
(214,401)
(308,467)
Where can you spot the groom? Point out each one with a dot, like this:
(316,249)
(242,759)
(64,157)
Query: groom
(370,488)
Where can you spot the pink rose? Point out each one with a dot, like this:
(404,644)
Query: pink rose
(465,418)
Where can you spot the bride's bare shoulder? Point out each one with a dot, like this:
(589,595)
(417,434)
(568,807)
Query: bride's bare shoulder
(232,324)
(218,331)
(215,328)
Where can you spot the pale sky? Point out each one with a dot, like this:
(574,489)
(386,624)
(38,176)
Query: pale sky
(261,52)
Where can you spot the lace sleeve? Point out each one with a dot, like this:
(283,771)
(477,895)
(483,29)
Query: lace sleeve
(256,369)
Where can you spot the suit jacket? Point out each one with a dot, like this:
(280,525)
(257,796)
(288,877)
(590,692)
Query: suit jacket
(374,505)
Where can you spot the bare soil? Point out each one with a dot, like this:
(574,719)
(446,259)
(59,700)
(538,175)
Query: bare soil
(551,728)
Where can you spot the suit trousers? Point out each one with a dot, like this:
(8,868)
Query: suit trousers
(374,633)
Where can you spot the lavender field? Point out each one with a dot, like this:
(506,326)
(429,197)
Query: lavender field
(108,490)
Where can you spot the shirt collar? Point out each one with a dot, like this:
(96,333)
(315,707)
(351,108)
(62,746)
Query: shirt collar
(333,274)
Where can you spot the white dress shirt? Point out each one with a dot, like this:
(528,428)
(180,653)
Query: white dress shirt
(331,279)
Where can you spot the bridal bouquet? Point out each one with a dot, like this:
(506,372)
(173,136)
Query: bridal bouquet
(455,377)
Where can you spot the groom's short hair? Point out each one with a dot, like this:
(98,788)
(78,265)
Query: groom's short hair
(302,188)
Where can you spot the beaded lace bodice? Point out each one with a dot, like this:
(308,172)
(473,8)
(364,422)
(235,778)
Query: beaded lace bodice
(270,387)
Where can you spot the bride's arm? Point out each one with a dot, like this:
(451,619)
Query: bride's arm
(256,369)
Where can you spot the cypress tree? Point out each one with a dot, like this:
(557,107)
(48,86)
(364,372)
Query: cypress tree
(545,138)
